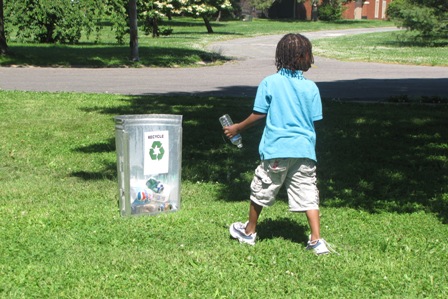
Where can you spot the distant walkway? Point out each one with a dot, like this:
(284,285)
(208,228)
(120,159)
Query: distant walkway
(254,60)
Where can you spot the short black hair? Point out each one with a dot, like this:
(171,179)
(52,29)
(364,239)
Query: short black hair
(294,52)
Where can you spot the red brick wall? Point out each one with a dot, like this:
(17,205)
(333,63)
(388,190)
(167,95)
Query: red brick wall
(357,9)
(371,9)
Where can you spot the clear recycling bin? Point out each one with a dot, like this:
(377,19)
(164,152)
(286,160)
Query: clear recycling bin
(149,163)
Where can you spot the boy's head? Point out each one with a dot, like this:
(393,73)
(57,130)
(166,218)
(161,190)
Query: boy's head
(294,53)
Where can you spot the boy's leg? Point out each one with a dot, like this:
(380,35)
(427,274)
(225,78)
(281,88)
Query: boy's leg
(314,223)
(245,232)
(304,196)
(318,245)
(267,181)
(254,213)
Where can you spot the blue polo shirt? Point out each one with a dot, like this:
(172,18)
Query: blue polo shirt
(292,104)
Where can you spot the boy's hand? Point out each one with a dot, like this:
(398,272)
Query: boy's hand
(237,128)
(231,131)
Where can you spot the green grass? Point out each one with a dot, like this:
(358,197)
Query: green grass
(387,47)
(382,177)
(185,47)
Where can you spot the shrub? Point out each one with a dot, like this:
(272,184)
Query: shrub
(47,21)
(331,10)
(429,18)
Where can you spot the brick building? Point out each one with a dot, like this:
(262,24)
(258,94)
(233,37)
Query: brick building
(368,9)
(290,9)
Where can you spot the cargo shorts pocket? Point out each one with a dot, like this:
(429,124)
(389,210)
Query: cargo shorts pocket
(308,169)
(261,178)
(277,166)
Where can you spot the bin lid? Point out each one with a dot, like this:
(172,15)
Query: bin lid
(148,119)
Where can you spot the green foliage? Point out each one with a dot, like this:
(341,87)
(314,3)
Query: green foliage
(115,11)
(47,21)
(427,17)
(262,4)
(330,10)
(63,21)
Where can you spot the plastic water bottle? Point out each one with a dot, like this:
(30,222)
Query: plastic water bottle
(226,121)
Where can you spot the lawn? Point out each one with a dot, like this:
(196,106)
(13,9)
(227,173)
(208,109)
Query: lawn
(383,170)
(185,47)
(385,47)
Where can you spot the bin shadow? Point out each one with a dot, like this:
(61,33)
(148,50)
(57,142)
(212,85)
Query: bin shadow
(109,170)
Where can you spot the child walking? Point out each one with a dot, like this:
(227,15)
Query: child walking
(290,104)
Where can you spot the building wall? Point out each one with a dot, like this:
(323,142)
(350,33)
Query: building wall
(370,9)
(355,10)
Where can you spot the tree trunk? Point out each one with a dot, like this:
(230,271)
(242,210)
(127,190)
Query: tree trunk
(208,25)
(155,27)
(133,30)
(218,18)
(3,44)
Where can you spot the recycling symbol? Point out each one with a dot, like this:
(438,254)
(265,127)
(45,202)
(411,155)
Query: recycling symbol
(156,151)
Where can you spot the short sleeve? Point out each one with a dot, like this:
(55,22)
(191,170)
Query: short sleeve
(262,98)
(317,106)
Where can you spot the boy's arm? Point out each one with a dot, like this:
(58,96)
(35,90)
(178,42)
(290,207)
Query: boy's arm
(252,120)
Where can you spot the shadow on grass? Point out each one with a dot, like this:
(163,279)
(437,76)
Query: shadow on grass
(182,23)
(374,157)
(109,171)
(96,56)
(374,90)
(416,43)
(384,157)
(105,147)
(284,228)
(412,39)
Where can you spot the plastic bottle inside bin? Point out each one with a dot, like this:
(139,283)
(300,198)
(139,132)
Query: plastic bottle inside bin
(226,121)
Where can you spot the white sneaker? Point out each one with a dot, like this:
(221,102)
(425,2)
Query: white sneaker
(320,247)
(238,231)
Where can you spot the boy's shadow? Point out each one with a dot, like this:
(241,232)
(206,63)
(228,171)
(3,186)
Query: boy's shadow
(282,228)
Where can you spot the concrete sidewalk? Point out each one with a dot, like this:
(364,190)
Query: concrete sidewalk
(254,59)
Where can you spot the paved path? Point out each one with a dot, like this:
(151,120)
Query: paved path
(254,61)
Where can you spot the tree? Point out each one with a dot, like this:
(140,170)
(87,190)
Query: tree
(3,44)
(155,10)
(133,43)
(263,5)
(429,18)
(48,21)
(205,9)
(63,21)
(331,10)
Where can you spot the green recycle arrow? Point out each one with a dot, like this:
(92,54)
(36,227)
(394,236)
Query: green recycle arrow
(152,152)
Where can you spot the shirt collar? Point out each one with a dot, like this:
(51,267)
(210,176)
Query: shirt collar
(291,74)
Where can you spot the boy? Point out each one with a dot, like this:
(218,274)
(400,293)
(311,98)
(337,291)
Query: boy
(290,103)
